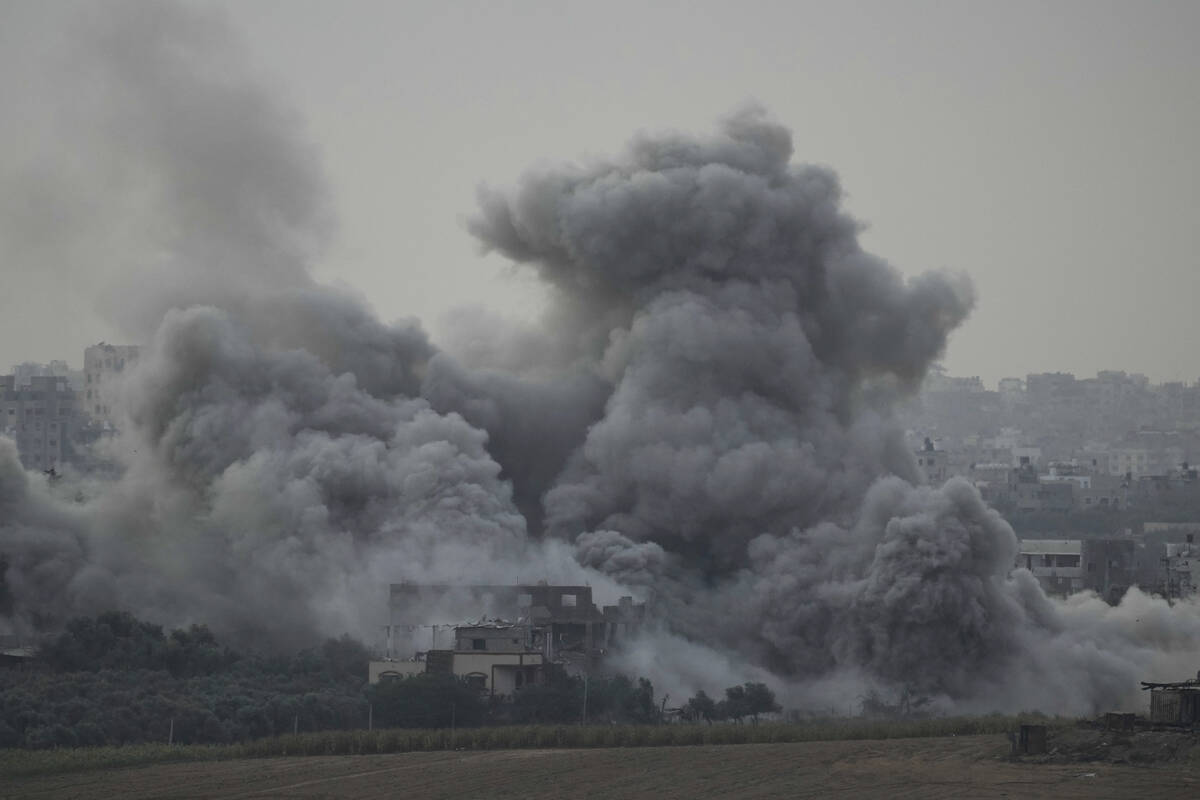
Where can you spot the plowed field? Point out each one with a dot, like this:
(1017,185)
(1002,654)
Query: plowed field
(965,766)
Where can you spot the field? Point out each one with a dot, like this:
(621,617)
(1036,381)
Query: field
(941,767)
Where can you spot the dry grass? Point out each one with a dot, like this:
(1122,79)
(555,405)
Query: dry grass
(41,762)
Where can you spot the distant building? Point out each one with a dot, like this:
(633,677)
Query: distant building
(524,627)
(1056,563)
(28,370)
(1065,566)
(934,464)
(1181,565)
(1109,567)
(1010,387)
(40,417)
(103,366)
(1052,388)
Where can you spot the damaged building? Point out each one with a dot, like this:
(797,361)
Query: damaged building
(1065,566)
(517,630)
(1175,703)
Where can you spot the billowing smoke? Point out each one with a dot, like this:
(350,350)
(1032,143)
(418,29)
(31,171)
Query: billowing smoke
(702,418)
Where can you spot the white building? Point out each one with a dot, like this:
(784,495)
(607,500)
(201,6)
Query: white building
(495,656)
(103,367)
(1056,563)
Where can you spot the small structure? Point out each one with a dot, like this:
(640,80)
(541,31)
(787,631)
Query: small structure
(1032,740)
(1174,703)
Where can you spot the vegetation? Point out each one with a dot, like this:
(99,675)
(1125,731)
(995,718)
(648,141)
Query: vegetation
(115,680)
(361,742)
(122,689)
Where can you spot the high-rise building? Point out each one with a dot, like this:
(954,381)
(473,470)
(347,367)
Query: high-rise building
(40,416)
(103,367)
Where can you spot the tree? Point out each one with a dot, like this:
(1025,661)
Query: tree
(700,707)
(426,701)
(734,705)
(759,700)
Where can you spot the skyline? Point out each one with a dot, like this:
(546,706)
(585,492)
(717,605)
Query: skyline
(1042,151)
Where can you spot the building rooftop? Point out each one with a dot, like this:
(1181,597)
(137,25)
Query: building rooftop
(1051,546)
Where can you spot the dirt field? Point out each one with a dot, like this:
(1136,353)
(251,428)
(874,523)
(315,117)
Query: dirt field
(966,766)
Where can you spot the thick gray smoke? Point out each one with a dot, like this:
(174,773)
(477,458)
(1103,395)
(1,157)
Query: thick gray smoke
(703,416)
(746,469)
(278,468)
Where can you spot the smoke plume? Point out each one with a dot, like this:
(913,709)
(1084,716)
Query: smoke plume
(703,417)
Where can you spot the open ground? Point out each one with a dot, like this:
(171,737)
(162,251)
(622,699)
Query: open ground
(962,766)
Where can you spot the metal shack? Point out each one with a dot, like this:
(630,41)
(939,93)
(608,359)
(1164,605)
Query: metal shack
(1175,703)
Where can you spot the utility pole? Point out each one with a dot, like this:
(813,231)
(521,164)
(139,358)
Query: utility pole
(583,721)
(370,716)
(171,733)
(453,720)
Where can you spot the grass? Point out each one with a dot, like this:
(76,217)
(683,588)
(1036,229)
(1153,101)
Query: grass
(14,763)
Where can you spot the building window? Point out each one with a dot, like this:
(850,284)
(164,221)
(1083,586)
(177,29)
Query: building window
(479,644)
(569,600)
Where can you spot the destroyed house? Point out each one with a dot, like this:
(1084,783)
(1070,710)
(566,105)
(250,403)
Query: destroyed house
(564,622)
(1174,703)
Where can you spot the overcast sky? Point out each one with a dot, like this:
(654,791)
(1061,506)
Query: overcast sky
(1047,149)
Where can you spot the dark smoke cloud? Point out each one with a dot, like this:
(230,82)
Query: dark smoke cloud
(703,417)
(746,470)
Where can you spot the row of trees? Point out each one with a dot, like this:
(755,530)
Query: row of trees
(748,700)
(114,679)
(117,680)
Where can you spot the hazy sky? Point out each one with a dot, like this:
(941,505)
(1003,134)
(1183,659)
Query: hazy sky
(1046,149)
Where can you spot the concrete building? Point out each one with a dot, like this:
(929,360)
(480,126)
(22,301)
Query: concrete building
(575,631)
(1181,566)
(103,367)
(525,628)
(1056,563)
(1134,461)
(27,370)
(497,657)
(1103,492)
(40,416)
(934,464)
(1109,567)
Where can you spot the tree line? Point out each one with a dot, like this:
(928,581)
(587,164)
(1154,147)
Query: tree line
(117,680)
